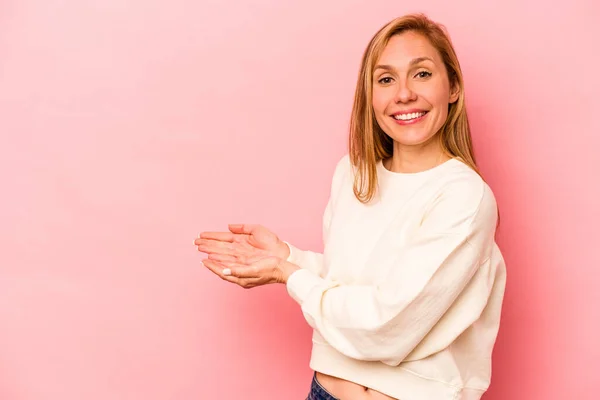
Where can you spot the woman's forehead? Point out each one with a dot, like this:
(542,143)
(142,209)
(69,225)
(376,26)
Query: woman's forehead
(404,48)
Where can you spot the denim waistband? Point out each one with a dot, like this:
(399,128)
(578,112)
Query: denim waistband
(318,392)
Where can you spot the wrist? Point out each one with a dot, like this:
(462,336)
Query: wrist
(287,269)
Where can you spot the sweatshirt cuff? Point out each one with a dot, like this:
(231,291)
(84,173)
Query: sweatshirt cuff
(294,254)
(300,283)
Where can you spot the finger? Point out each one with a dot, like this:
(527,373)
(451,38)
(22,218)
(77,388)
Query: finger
(221,236)
(251,276)
(232,266)
(227,275)
(236,269)
(243,272)
(214,246)
(214,267)
(202,240)
(242,228)
(220,271)
(222,257)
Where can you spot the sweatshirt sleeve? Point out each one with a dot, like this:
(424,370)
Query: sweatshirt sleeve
(310,260)
(387,321)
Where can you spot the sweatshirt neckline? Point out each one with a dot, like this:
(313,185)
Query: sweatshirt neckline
(387,174)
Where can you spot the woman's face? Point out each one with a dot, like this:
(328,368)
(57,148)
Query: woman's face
(411,90)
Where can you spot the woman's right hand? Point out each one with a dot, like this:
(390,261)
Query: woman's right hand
(243,242)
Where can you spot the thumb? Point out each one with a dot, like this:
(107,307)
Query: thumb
(242,228)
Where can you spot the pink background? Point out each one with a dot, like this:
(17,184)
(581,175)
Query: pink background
(129,126)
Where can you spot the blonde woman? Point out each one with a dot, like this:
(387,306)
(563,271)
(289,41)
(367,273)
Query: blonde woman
(405,301)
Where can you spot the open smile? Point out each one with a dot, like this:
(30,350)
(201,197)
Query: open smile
(409,118)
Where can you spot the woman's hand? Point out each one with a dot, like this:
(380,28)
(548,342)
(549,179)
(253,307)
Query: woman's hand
(242,243)
(256,272)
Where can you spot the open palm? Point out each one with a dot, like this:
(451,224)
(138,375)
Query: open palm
(243,242)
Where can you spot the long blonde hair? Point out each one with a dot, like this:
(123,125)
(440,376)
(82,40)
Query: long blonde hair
(368,143)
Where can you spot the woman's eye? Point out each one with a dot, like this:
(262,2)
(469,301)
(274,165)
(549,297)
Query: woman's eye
(385,80)
(423,74)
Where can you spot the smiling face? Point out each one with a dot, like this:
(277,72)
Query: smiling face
(411,90)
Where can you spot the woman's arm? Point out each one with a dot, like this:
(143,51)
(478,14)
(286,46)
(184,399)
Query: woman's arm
(386,322)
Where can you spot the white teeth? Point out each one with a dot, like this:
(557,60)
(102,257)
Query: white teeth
(406,117)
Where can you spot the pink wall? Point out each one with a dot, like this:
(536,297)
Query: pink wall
(129,126)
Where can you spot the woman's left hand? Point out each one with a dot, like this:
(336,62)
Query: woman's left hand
(255,272)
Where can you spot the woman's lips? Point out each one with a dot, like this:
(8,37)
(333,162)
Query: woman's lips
(411,118)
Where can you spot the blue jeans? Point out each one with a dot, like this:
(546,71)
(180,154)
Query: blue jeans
(318,392)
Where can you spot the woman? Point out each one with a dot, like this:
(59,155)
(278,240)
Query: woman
(405,301)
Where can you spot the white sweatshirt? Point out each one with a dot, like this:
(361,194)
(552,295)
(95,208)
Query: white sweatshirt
(406,297)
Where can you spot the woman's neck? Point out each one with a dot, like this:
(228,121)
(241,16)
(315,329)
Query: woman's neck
(412,159)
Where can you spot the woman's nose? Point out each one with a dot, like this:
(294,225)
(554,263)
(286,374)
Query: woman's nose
(405,94)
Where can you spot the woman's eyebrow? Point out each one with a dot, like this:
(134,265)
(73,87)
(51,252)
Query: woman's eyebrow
(420,59)
(412,62)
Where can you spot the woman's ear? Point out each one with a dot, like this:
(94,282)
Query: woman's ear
(454,93)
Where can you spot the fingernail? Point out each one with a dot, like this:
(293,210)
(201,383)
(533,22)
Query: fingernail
(226,271)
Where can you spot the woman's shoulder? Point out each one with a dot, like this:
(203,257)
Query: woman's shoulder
(466,189)
(461,177)
(342,167)
(344,162)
